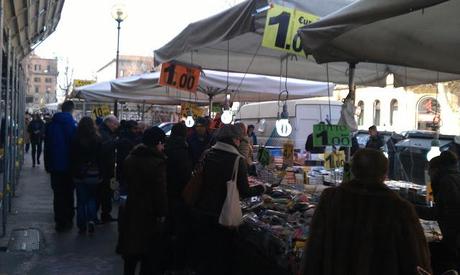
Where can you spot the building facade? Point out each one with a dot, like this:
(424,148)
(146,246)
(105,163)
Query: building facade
(128,65)
(412,108)
(41,79)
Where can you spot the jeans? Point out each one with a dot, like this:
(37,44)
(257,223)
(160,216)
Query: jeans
(146,261)
(104,201)
(36,151)
(86,203)
(63,199)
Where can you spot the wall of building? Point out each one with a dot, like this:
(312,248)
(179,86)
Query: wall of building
(416,108)
(128,65)
(41,78)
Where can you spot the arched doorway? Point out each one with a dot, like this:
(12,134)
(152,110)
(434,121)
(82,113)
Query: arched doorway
(377,113)
(393,111)
(428,114)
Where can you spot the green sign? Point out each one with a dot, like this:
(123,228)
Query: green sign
(326,135)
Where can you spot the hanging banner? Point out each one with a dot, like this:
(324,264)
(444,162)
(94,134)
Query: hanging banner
(334,160)
(100,111)
(281,29)
(82,82)
(327,135)
(180,76)
(196,111)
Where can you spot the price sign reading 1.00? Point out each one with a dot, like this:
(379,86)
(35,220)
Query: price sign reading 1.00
(326,135)
(281,28)
(180,76)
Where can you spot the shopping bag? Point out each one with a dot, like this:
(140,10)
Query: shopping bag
(193,187)
(231,214)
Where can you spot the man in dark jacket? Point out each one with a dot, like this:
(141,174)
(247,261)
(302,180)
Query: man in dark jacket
(108,131)
(364,228)
(128,138)
(141,235)
(376,141)
(36,130)
(58,140)
(199,140)
(214,240)
(445,183)
(179,169)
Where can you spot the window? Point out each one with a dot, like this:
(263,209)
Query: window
(48,68)
(37,89)
(393,111)
(37,79)
(36,67)
(428,114)
(48,80)
(360,113)
(377,113)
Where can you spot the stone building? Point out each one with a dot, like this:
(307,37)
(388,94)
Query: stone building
(128,65)
(410,108)
(41,78)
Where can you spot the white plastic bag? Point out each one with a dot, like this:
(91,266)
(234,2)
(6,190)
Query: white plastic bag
(231,214)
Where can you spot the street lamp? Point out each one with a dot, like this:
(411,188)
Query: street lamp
(119,13)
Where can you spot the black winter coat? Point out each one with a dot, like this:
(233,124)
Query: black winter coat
(218,169)
(147,204)
(375,142)
(109,140)
(36,130)
(446,193)
(179,166)
(124,145)
(83,151)
(365,229)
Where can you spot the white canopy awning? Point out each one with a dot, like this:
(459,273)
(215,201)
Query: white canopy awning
(213,85)
(391,32)
(239,30)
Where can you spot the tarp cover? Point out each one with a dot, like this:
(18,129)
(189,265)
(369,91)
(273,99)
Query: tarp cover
(240,29)
(391,32)
(241,87)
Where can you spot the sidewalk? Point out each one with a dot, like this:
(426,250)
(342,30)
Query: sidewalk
(60,253)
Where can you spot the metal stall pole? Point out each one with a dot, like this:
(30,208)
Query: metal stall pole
(14,124)
(6,137)
(2,198)
(9,87)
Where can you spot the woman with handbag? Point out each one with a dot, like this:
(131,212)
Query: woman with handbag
(86,156)
(142,227)
(224,171)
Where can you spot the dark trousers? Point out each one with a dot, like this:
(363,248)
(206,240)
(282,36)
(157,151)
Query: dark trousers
(104,201)
(36,151)
(86,204)
(215,246)
(27,147)
(146,262)
(443,257)
(63,201)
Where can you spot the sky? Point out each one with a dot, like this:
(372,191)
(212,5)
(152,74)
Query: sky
(87,34)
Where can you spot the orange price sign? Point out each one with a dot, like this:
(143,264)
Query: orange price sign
(180,76)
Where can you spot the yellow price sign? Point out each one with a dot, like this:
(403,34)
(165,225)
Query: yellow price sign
(101,111)
(196,110)
(334,160)
(281,28)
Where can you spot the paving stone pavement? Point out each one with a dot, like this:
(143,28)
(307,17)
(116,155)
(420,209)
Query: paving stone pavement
(61,253)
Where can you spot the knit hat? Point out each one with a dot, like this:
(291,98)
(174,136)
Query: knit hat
(228,131)
(179,130)
(153,136)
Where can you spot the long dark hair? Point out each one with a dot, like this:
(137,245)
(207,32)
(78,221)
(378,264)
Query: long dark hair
(86,130)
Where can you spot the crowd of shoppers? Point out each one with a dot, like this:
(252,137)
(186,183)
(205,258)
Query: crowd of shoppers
(360,227)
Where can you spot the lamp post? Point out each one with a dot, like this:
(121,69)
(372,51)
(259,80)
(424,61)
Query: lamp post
(119,13)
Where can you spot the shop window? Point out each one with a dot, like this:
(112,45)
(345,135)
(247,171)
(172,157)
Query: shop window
(428,114)
(377,113)
(360,113)
(393,111)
